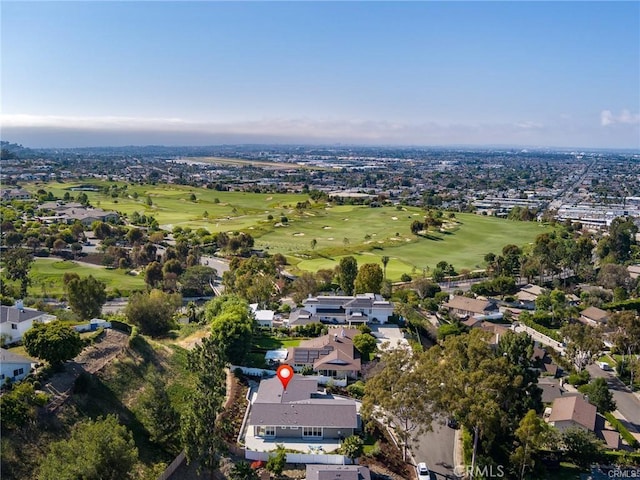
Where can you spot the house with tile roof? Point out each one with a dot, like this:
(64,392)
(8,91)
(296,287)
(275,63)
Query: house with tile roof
(332,355)
(470,307)
(300,412)
(15,320)
(594,316)
(572,411)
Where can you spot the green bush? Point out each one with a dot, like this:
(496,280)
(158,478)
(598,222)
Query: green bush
(579,378)
(356,390)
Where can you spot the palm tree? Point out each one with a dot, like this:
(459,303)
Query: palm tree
(385,260)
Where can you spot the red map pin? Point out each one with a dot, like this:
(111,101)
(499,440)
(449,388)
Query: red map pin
(285,374)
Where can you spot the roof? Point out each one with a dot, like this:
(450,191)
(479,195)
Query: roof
(18,315)
(337,472)
(595,313)
(9,357)
(551,390)
(574,408)
(469,304)
(532,289)
(336,347)
(300,405)
(363,300)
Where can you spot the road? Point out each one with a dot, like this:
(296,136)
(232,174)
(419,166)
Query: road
(628,404)
(435,448)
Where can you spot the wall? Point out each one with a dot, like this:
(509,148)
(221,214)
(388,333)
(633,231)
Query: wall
(302,458)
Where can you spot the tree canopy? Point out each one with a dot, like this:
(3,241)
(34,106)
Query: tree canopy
(86,296)
(232,326)
(153,312)
(54,342)
(97,450)
(347,272)
(369,278)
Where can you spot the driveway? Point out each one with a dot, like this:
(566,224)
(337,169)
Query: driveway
(436,448)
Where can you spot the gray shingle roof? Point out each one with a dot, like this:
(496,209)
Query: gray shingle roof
(9,357)
(15,315)
(337,472)
(300,405)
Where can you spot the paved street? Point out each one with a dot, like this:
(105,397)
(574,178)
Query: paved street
(435,448)
(628,404)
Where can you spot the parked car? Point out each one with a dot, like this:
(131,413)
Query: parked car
(452,423)
(423,471)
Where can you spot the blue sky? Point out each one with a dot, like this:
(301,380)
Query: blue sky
(402,73)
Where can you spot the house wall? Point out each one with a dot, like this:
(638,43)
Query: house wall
(381,314)
(15,334)
(11,371)
(288,432)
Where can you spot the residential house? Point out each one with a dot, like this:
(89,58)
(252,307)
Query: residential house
(16,320)
(594,316)
(14,194)
(13,367)
(551,389)
(264,318)
(361,308)
(572,411)
(470,307)
(332,355)
(300,412)
(527,295)
(337,472)
(634,271)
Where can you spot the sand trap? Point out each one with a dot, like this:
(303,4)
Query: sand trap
(394,218)
(345,219)
(330,238)
(394,239)
(298,234)
(416,214)
(269,198)
(326,228)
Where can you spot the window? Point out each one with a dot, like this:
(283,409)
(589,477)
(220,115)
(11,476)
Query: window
(14,326)
(18,371)
(314,432)
(268,431)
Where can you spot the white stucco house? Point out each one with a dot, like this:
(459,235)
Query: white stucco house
(361,308)
(16,320)
(13,367)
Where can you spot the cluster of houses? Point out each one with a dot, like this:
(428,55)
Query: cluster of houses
(71,212)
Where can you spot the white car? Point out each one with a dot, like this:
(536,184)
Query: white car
(423,471)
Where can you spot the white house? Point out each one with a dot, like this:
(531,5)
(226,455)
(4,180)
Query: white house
(264,318)
(16,320)
(361,308)
(13,367)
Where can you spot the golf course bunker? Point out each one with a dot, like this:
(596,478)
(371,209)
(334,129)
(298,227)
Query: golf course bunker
(298,234)
(326,227)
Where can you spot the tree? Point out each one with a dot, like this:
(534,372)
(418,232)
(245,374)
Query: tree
(232,327)
(200,428)
(243,471)
(197,281)
(598,394)
(304,286)
(385,261)
(86,296)
(347,270)
(425,288)
(352,447)
(153,312)
(365,344)
(54,342)
(583,343)
(612,276)
(276,462)
(314,242)
(532,435)
(581,446)
(397,392)
(18,406)
(369,278)
(158,416)
(17,263)
(135,235)
(97,450)
(153,274)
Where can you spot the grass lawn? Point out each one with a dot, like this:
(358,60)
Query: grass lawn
(46,275)
(369,233)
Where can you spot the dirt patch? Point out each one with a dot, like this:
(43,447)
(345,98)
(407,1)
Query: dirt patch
(91,360)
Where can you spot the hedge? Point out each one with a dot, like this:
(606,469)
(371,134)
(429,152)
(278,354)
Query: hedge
(624,433)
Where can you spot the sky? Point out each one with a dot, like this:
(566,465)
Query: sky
(564,74)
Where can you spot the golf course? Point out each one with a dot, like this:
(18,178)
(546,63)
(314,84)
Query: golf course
(316,235)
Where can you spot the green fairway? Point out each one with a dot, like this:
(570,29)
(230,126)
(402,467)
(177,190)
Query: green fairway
(46,276)
(464,246)
(318,235)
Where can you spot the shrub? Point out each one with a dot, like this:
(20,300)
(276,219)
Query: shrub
(579,378)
